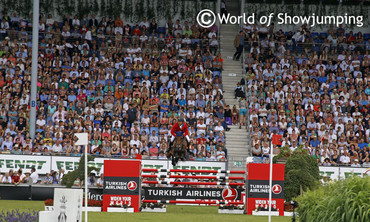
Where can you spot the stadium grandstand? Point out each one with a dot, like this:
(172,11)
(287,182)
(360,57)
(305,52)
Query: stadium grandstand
(127,83)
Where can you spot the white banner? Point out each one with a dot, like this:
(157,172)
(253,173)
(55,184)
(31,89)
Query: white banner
(71,163)
(336,173)
(43,164)
(345,172)
(14,162)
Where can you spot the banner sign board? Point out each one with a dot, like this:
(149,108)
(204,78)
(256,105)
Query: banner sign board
(169,193)
(259,188)
(43,164)
(122,183)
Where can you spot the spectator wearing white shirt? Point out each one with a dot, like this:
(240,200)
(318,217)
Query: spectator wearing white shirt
(345,158)
(7,179)
(57,147)
(100,182)
(34,176)
(356,163)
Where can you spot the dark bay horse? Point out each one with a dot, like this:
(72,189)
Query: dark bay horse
(178,151)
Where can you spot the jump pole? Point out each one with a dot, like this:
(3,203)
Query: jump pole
(193,183)
(193,177)
(193,202)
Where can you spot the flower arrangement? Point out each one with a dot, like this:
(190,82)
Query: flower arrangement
(288,207)
(49,202)
(16,215)
(93,203)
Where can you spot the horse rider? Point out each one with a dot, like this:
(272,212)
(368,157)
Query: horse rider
(179,129)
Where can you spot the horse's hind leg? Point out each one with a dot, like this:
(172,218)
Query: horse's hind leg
(183,157)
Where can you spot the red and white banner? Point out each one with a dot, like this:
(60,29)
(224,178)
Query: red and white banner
(122,183)
(258,187)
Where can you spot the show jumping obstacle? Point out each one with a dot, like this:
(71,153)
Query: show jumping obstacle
(124,186)
(216,177)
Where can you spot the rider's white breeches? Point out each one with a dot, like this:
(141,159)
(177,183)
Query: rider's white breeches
(187,138)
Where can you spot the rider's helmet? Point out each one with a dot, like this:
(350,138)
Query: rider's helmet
(180,120)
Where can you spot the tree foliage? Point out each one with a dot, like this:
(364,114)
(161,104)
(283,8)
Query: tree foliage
(301,173)
(337,201)
(79,173)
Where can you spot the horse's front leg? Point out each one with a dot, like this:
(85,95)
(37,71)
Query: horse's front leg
(173,160)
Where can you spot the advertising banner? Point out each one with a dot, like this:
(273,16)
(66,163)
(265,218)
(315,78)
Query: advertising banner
(258,187)
(122,183)
(169,193)
(43,164)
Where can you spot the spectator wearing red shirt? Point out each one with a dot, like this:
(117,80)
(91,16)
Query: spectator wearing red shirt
(16,179)
(136,31)
(153,151)
(201,139)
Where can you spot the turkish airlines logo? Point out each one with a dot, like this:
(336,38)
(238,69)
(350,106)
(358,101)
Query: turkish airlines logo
(276,189)
(229,194)
(132,185)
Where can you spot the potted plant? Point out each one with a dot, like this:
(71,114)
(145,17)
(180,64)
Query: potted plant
(49,205)
(122,208)
(154,207)
(231,209)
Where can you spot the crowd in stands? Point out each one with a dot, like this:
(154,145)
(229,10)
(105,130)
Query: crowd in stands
(124,85)
(309,91)
(17,177)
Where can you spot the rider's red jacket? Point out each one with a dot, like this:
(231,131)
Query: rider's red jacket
(176,128)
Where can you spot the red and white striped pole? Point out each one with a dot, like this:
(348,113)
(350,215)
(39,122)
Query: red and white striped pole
(194,202)
(193,183)
(193,177)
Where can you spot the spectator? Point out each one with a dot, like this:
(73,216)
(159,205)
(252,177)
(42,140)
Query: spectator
(100,182)
(34,176)
(7,179)
(239,44)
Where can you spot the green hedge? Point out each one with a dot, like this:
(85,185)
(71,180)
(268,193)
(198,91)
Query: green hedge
(301,174)
(338,201)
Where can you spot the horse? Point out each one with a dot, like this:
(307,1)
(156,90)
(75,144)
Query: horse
(178,150)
